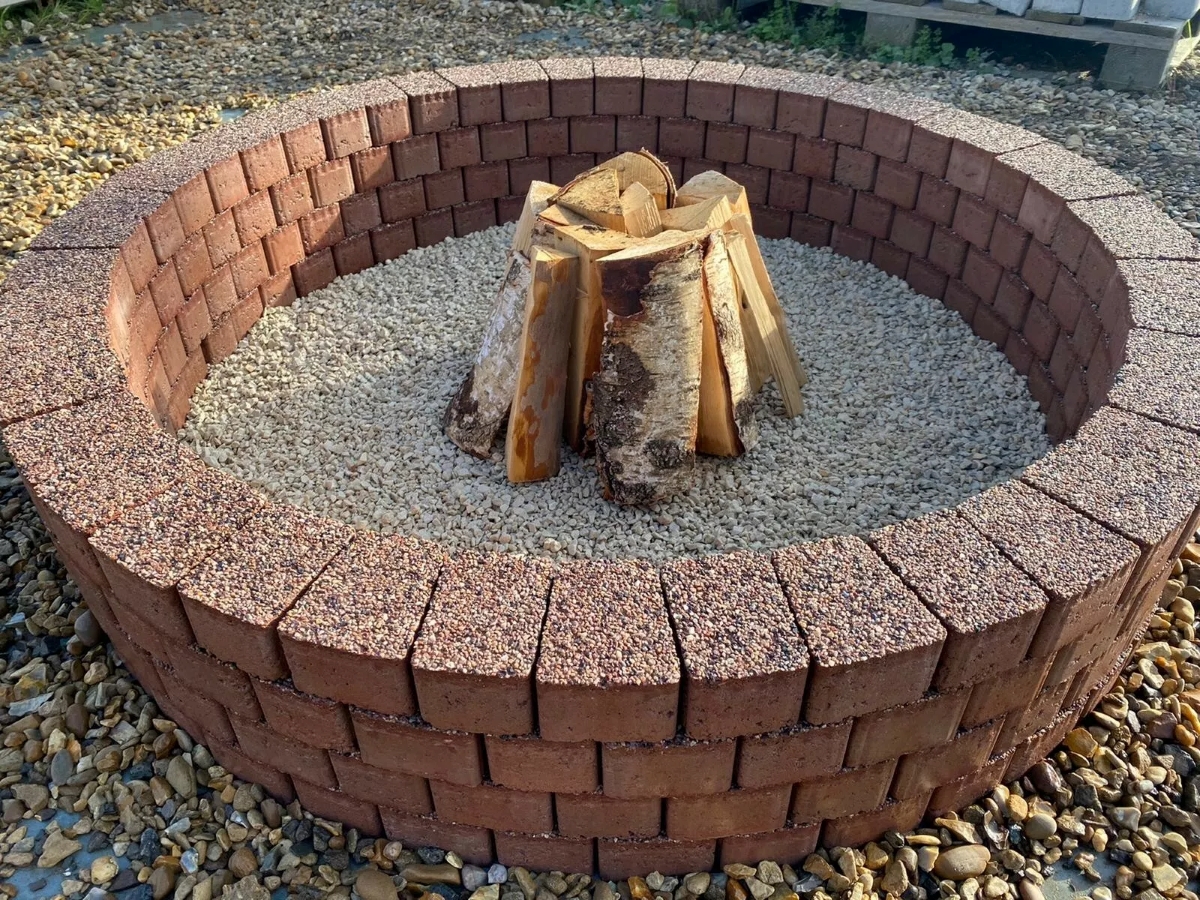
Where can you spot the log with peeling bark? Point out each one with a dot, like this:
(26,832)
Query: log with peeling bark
(535,422)
(728,425)
(478,408)
(647,392)
(644,168)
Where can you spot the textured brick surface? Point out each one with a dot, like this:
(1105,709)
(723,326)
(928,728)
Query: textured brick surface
(611,714)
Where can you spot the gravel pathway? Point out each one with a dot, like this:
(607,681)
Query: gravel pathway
(335,404)
(111,800)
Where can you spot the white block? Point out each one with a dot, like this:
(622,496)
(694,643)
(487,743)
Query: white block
(1170,9)
(1016,7)
(1065,7)
(1112,10)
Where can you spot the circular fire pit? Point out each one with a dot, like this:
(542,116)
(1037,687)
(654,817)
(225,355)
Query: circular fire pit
(611,716)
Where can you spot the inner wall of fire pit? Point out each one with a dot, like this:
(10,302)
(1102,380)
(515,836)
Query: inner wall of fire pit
(335,405)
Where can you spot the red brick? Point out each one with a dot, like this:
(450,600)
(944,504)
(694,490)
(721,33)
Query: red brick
(418,155)
(593,134)
(925,279)
(1066,300)
(953,796)
(523,172)
(897,183)
(459,147)
(265,164)
(433,227)
(545,852)
(353,255)
(254,218)
(710,90)
(727,814)
(473,216)
(623,859)
(313,720)
(525,91)
(637,133)
(831,201)
(947,251)
(392,789)
(788,191)
(1006,188)
(1040,211)
(165,230)
(853,831)
(389,122)
(278,290)
(911,232)
(726,143)
(795,754)
(219,293)
(618,87)
(770,149)
(548,137)
(474,845)
(904,729)
(855,168)
(194,321)
(304,147)
(408,746)
(508,209)
(1008,243)
(982,274)
(291,198)
(193,202)
(167,293)
(844,124)
(533,764)
(314,272)
(961,299)
(872,215)
(284,248)
(193,265)
(843,793)
(694,167)
(1070,240)
(360,213)
(969,167)
(677,768)
(331,182)
(810,230)
(572,87)
(852,243)
(1012,301)
(1012,689)
(333,804)
(974,220)
(372,168)
(444,189)
(754,179)
(392,241)
(488,806)
(227,183)
(815,158)
(486,181)
(502,140)
(1063,362)
(681,137)
(597,815)
(1018,351)
(346,133)
(564,168)
(770,222)
(1039,270)
(249,268)
(790,846)
(221,237)
(402,200)
(936,200)
(432,99)
(321,229)
(889,258)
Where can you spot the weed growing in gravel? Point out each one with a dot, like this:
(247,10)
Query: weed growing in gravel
(927,49)
(18,23)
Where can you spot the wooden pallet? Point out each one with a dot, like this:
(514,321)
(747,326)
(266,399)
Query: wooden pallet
(1140,56)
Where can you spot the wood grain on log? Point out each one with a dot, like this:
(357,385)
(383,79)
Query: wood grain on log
(647,392)
(535,422)
(536,202)
(710,184)
(728,425)
(596,195)
(640,212)
(478,408)
(644,168)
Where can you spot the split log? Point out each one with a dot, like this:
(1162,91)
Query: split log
(590,244)
(704,216)
(742,223)
(760,320)
(647,392)
(535,422)
(644,168)
(728,425)
(536,202)
(478,408)
(596,195)
(710,184)
(640,212)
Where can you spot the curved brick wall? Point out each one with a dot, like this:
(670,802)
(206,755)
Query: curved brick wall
(612,716)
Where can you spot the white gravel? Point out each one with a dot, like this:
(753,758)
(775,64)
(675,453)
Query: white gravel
(335,404)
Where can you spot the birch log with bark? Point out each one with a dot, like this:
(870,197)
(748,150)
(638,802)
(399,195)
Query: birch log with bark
(647,392)
(478,408)
(728,425)
(535,422)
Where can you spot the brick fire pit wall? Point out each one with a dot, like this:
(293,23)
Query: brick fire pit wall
(612,717)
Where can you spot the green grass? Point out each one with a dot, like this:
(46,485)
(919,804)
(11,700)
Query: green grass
(44,18)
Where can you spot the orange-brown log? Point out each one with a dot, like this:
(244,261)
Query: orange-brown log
(535,422)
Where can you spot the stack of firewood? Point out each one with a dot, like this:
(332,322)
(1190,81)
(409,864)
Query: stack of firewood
(635,320)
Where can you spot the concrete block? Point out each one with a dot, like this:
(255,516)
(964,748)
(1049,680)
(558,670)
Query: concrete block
(1134,68)
(884,30)
(1015,7)
(1144,24)
(1170,9)
(1064,7)
(1112,10)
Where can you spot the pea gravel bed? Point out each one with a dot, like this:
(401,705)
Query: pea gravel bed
(335,405)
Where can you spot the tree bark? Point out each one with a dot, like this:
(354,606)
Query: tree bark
(728,425)
(478,408)
(535,422)
(647,392)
